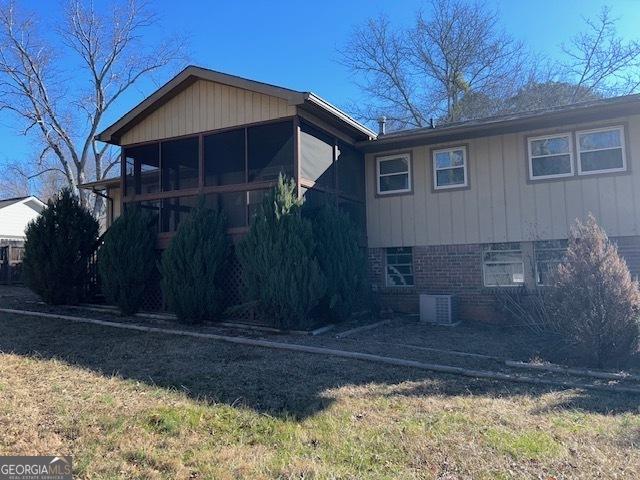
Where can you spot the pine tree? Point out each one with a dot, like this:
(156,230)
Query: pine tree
(57,249)
(281,272)
(342,262)
(127,260)
(192,263)
(594,299)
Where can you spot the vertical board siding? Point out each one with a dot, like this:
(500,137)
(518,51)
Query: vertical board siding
(204,106)
(501,203)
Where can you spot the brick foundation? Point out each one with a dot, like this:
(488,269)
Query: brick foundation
(457,269)
(629,249)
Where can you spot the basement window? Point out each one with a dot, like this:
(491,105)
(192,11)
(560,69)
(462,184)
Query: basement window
(393,174)
(399,267)
(550,156)
(503,265)
(549,254)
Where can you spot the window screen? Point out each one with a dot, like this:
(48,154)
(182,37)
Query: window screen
(232,204)
(549,254)
(399,267)
(450,168)
(180,164)
(316,156)
(142,169)
(601,150)
(355,210)
(174,210)
(270,151)
(550,156)
(503,265)
(394,173)
(350,170)
(224,158)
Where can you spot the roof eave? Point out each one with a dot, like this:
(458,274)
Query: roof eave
(361,130)
(182,80)
(534,120)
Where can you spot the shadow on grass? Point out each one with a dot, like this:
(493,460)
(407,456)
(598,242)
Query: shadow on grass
(269,381)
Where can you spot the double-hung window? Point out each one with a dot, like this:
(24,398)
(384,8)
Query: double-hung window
(399,267)
(393,174)
(450,168)
(503,265)
(550,156)
(549,254)
(601,150)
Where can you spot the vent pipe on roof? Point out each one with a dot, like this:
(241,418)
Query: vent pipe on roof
(382,121)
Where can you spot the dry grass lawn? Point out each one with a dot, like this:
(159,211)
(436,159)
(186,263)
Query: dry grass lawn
(134,405)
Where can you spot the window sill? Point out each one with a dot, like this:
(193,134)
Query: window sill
(395,193)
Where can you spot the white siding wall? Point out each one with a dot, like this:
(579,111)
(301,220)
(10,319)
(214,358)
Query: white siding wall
(501,204)
(14,219)
(207,106)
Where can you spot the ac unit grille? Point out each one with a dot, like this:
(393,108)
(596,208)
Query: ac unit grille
(438,309)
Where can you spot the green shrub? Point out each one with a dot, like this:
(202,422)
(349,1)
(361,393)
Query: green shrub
(192,264)
(342,262)
(57,249)
(127,260)
(277,256)
(594,299)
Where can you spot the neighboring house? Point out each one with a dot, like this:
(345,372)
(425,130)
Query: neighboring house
(15,215)
(463,208)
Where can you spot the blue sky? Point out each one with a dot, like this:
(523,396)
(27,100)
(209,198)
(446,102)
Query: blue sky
(294,43)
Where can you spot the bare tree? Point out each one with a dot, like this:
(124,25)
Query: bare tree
(455,50)
(601,61)
(39,177)
(378,55)
(460,49)
(64,110)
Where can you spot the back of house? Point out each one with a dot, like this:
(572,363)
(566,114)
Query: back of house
(462,209)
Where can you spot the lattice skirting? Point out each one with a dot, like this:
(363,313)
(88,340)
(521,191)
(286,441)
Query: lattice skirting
(232,282)
(153,300)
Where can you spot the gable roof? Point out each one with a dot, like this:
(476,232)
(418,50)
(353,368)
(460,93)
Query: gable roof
(306,100)
(31,201)
(543,118)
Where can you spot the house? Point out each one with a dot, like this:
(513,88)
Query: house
(15,215)
(463,208)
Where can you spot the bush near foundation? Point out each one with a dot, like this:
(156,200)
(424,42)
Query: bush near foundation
(281,272)
(192,264)
(594,299)
(57,249)
(342,261)
(127,259)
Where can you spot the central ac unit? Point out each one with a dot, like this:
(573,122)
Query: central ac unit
(439,309)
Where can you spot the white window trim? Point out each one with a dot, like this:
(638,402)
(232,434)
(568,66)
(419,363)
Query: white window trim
(484,264)
(386,273)
(406,156)
(623,146)
(464,168)
(531,157)
(537,269)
